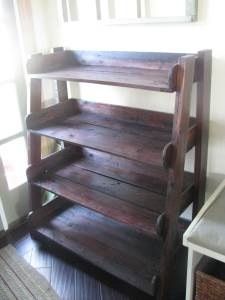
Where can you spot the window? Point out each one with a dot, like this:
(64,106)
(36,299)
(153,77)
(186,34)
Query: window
(129,11)
(13,151)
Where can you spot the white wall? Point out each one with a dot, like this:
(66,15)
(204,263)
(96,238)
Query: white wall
(191,37)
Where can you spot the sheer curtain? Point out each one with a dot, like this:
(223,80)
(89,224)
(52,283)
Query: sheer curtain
(13,154)
(35,39)
(20,38)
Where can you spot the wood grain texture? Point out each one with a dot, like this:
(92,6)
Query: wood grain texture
(76,122)
(154,71)
(107,244)
(34,141)
(113,164)
(128,211)
(86,283)
(89,288)
(61,85)
(63,279)
(176,172)
(203,110)
(155,80)
(80,180)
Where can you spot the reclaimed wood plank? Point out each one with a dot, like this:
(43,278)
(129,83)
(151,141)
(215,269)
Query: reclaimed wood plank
(75,121)
(140,218)
(154,71)
(156,80)
(113,246)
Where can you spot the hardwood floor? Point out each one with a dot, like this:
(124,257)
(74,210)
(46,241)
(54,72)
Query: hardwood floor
(72,279)
(75,279)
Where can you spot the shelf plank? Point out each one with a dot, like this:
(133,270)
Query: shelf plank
(126,211)
(155,80)
(115,130)
(79,177)
(127,140)
(145,176)
(144,70)
(112,246)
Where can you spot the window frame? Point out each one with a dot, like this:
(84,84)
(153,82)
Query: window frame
(191,9)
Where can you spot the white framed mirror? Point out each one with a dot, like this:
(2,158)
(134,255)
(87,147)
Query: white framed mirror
(129,11)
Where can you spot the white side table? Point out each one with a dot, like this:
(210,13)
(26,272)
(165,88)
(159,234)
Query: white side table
(206,235)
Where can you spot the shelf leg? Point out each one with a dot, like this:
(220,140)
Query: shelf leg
(34,142)
(202,116)
(62,89)
(193,260)
(61,85)
(185,78)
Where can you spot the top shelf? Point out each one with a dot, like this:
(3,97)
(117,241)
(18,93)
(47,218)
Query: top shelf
(144,70)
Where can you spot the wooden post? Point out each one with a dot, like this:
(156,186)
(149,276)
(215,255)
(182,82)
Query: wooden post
(185,80)
(61,85)
(34,142)
(202,117)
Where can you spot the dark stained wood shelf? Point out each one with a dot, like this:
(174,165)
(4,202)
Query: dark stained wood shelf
(157,80)
(119,180)
(149,71)
(97,130)
(79,180)
(110,245)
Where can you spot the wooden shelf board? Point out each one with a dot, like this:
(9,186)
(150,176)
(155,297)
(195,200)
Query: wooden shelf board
(112,246)
(149,79)
(100,187)
(120,201)
(145,176)
(137,142)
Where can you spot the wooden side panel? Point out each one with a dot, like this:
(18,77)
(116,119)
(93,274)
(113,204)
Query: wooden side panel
(176,172)
(44,213)
(146,60)
(61,59)
(53,161)
(50,62)
(203,109)
(50,114)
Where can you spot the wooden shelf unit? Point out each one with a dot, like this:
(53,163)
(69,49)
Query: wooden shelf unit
(121,172)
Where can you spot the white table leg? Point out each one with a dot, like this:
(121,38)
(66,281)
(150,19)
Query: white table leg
(193,260)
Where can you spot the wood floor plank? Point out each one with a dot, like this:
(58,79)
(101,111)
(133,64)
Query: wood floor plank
(46,272)
(86,287)
(40,258)
(25,245)
(63,279)
(108,293)
(27,256)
